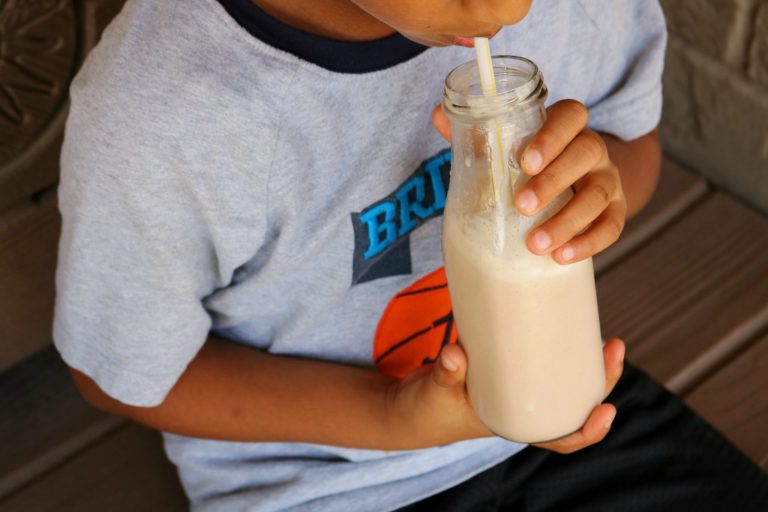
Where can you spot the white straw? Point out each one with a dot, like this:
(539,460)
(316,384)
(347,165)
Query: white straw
(485,66)
(499,175)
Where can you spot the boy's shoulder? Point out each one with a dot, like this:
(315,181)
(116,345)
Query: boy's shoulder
(154,70)
(163,92)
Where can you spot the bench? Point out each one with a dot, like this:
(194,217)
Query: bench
(686,287)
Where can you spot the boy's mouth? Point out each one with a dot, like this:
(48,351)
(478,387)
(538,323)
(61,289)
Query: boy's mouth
(467,42)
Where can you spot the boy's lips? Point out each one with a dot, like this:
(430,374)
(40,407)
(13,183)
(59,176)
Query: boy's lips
(464,41)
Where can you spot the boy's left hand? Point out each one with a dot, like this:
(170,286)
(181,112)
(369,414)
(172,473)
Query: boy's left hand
(562,154)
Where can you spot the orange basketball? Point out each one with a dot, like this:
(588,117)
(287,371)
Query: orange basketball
(415,326)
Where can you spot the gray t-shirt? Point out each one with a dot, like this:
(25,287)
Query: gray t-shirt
(211,182)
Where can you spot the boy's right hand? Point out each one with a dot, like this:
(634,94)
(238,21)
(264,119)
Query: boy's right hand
(431,406)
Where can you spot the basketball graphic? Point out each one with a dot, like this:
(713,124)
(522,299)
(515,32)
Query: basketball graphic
(415,326)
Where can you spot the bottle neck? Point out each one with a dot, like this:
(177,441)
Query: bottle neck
(519,85)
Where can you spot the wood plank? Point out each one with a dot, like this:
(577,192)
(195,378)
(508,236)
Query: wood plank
(123,472)
(28,246)
(695,294)
(50,41)
(38,170)
(40,51)
(678,190)
(44,420)
(735,400)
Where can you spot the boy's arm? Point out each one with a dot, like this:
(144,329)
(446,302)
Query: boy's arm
(233,392)
(237,393)
(638,161)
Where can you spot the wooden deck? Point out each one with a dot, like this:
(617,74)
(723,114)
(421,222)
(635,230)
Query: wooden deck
(686,287)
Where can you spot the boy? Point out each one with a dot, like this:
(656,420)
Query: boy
(256,173)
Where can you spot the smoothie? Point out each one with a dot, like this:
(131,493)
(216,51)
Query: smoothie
(530,330)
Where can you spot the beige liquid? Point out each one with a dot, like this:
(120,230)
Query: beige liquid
(531,333)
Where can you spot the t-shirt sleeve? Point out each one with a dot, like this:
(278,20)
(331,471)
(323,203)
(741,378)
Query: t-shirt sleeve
(138,253)
(628,100)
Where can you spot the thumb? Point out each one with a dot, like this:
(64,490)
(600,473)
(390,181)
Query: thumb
(440,120)
(451,367)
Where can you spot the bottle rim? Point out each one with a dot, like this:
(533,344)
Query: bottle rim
(518,83)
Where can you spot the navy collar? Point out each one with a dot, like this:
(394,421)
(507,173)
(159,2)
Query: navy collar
(331,54)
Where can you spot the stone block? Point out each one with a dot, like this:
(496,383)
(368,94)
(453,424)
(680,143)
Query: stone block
(716,121)
(758,55)
(705,24)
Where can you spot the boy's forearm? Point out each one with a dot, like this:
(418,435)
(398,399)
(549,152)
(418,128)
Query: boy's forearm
(638,162)
(232,392)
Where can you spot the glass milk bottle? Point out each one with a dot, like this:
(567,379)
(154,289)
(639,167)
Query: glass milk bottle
(528,325)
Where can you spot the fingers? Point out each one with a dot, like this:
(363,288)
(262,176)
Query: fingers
(599,422)
(564,154)
(451,367)
(594,217)
(565,119)
(441,122)
(613,360)
(594,430)
(591,221)
(584,152)
(602,233)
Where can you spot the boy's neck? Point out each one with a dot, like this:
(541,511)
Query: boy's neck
(334,19)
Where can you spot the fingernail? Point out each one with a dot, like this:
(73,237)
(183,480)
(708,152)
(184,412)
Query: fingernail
(567,253)
(527,201)
(541,240)
(609,423)
(448,363)
(532,160)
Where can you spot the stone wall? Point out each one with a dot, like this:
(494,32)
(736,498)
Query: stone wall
(716,92)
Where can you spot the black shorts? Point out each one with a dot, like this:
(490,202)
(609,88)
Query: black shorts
(659,456)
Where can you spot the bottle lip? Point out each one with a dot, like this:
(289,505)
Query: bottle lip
(518,82)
